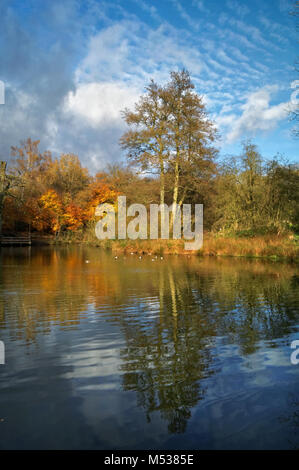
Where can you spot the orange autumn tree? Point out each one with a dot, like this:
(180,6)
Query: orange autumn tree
(52,204)
(74,217)
(99,194)
(63,213)
(35,215)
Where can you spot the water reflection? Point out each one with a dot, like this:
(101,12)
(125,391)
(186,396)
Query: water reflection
(178,323)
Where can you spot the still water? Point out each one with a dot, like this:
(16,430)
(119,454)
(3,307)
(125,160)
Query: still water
(178,353)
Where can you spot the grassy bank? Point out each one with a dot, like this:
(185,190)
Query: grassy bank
(276,247)
(266,246)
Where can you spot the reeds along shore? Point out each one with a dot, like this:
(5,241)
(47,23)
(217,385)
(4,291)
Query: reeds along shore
(276,247)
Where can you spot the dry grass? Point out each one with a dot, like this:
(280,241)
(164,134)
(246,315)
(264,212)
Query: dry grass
(154,247)
(275,247)
(269,246)
(266,246)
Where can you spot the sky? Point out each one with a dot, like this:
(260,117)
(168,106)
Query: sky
(70,67)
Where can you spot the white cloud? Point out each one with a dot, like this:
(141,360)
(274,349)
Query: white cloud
(225,58)
(257,115)
(237,54)
(186,17)
(237,7)
(254,38)
(132,52)
(100,104)
(278,31)
(149,9)
(200,5)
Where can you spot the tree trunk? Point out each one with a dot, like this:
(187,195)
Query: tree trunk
(3,189)
(162,181)
(175,189)
(162,188)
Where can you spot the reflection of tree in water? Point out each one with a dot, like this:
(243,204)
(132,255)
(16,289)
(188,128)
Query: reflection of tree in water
(167,353)
(44,292)
(255,307)
(166,357)
(49,286)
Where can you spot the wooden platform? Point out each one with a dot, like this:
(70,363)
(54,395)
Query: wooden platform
(15,241)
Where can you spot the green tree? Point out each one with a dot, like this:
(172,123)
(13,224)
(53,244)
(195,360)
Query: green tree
(255,195)
(282,195)
(240,191)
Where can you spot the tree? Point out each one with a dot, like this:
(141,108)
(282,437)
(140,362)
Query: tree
(190,133)
(147,140)
(8,183)
(145,189)
(4,187)
(257,196)
(30,169)
(52,203)
(240,191)
(282,195)
(171,133)
(98,193)
(67,176)
(74,217)
(28,160)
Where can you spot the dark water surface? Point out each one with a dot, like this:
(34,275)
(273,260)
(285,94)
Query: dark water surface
(179,353)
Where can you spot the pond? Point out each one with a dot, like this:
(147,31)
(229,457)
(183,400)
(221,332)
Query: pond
(128,353)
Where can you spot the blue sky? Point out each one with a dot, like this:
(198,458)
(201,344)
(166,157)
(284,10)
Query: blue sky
(70,67)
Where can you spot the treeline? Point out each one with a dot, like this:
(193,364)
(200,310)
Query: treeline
(244,195)
(171,158)
(51,195)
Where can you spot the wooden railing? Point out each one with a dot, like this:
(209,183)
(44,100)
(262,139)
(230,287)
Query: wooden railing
(15,241)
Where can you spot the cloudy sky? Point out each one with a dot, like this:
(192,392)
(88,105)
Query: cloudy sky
(70,66)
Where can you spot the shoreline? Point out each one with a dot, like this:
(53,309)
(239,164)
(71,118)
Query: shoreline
(270,247)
